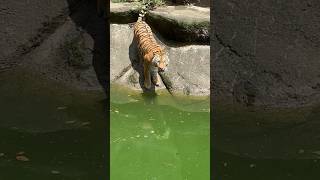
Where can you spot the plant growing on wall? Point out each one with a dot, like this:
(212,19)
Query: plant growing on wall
(144,4)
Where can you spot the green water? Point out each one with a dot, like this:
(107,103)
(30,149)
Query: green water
(159,137)
(61,131)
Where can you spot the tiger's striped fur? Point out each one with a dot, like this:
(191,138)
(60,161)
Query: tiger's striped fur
(153,56)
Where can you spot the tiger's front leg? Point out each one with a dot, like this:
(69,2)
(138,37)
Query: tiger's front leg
(146,73)
(158,80)
(155,77)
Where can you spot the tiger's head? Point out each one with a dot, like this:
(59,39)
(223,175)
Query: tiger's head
(160,60)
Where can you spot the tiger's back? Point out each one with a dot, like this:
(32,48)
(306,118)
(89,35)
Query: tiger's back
(145,39)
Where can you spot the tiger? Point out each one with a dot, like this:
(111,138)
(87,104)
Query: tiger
(151,53)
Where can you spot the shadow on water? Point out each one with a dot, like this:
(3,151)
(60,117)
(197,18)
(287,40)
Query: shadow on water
(63,132)
(230,167)
(279,144)
(66,154)
(88,16)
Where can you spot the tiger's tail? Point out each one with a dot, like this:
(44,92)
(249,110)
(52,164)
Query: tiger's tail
(140,18)
(141,15)
(143,12)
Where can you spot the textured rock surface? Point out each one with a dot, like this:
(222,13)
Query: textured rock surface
(24,25)
(267,52)
(275,133)
(203,3)
(180,24)
(123,12)
(73,52)
(189,67)
(176,23)
(66,57)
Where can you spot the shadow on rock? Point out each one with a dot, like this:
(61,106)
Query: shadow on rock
(86,17)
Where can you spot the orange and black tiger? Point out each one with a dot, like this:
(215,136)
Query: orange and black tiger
(153,55)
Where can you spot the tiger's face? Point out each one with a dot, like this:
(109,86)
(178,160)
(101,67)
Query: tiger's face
(161,61)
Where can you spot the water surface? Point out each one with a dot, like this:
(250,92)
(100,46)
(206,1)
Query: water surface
(60,130)
(159,137)
(263,144)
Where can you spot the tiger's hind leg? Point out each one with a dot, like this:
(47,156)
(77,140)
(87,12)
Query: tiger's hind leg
(146,73)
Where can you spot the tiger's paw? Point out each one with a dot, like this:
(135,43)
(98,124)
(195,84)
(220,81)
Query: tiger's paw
(147,85)
(155,80)
(157,83)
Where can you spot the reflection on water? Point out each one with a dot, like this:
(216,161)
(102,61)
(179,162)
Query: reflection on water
(61,131)
(159,137)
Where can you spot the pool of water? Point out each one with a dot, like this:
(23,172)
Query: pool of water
(159,137)
(264,144)
(61,132)
(232,167)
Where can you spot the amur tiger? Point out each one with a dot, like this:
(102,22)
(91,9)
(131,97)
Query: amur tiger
(151,53)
